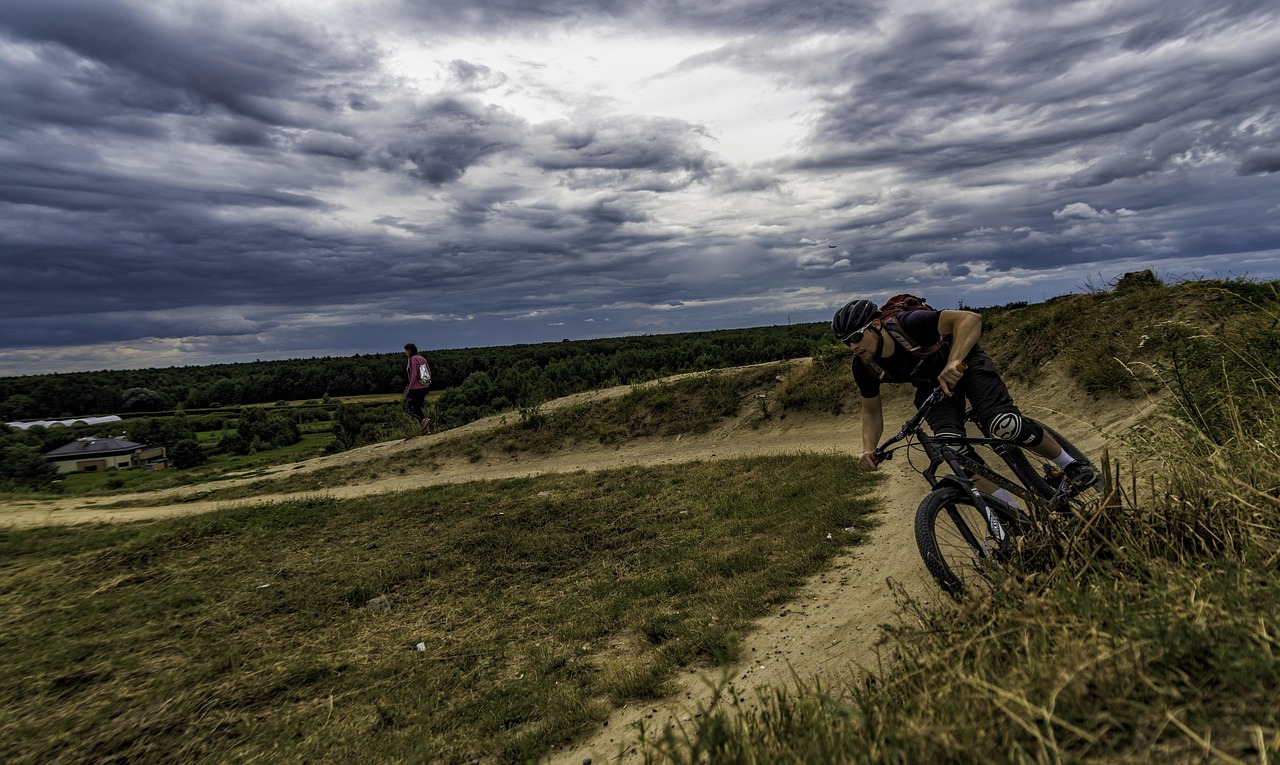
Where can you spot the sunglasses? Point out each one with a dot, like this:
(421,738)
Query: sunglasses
(855,337)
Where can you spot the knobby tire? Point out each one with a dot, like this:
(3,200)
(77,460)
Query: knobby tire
(948,524)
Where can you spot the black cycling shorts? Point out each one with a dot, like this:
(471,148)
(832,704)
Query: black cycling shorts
(980,388)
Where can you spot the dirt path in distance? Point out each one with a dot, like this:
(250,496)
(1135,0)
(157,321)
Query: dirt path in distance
(185,500)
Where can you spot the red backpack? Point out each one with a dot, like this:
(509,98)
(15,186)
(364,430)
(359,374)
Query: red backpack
(904,302)
(890,312)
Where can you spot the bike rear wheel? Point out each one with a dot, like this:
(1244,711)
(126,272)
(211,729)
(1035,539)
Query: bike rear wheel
(1027,468)
(1041,476)
(955,541)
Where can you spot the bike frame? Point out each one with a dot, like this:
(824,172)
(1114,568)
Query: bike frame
(941,451)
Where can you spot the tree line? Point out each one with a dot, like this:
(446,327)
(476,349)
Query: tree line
(491,379)
(168,407)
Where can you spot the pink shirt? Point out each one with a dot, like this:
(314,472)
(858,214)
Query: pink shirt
(415,362)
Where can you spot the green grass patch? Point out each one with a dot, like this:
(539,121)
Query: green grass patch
(824,386)
(519,612)
(693,404)
(1130,340)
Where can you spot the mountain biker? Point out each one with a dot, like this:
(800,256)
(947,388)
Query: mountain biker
(929,348)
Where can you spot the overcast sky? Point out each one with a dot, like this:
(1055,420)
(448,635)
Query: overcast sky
(196,182)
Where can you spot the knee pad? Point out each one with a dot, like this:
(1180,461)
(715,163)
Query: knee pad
(1011,426)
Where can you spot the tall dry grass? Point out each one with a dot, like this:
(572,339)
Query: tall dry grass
(1145,630)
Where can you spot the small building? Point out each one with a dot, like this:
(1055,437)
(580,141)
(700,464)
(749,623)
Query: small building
(86,455)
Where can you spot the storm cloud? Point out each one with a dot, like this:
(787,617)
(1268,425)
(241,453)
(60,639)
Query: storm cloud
(186,183)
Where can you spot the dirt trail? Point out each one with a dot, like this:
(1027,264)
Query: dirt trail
(830,631)
(830,628)
(185,500)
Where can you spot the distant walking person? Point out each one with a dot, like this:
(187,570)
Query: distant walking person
(415,393)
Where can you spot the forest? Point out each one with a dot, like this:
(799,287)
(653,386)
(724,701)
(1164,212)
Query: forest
(493,378)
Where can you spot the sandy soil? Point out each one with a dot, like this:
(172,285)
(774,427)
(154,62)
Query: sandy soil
(829,630)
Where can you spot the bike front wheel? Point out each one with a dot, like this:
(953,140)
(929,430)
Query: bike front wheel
(956,542)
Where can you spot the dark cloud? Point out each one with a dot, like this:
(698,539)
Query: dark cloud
(736,16)
(655,145)
(208,56)
(475,77)
(613,212)
(327,144)
(236,180)
(1260,162)
(446,137)
(1039,89)
(246,134)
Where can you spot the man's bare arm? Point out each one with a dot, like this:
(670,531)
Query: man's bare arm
(965,327)
(872,428)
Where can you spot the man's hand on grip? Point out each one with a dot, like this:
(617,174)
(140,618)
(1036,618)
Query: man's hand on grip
(951,375)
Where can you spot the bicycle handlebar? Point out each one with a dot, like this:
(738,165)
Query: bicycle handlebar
(881,453)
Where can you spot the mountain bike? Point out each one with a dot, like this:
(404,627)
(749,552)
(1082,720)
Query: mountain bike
(965,534)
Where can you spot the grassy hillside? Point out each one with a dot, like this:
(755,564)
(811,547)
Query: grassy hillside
(1146,630)
(482,622)
(489,621)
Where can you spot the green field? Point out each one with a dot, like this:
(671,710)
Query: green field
(518,612)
